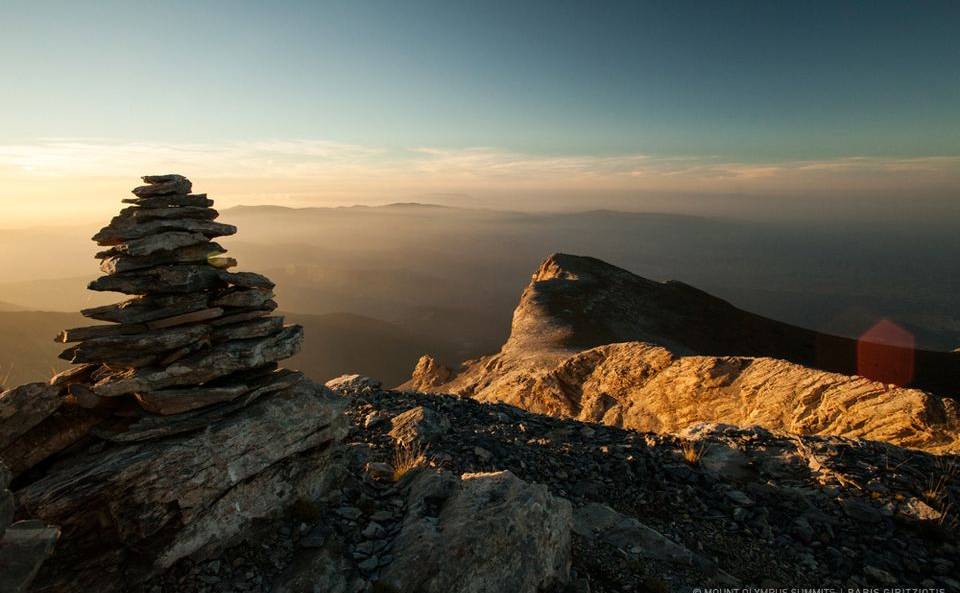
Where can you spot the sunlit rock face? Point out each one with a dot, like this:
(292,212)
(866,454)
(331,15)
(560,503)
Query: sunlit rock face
(594,342)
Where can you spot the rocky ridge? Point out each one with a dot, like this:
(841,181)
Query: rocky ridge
(596,343)
(439,493)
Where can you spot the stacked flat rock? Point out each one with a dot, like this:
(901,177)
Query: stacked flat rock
(193,334)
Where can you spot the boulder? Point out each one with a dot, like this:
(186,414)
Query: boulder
(428,375)
(481,532)
(348,384)
(418,426)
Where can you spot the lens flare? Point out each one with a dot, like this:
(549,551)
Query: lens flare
(885,353)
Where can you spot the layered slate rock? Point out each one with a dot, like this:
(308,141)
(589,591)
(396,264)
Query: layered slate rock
(146,503)
(190,320)
(176,428)
(24,545)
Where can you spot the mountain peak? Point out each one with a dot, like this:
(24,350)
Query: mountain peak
(568,267)
(595,342)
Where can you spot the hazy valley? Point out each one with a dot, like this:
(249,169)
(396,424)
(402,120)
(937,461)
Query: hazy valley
(448,279)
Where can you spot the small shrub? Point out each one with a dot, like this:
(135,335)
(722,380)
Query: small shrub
(407,459)
(5,377)
(693,451)
(938,495)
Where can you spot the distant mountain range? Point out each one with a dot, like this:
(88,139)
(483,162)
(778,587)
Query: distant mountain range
(10,307)
(448,278)
(455,272)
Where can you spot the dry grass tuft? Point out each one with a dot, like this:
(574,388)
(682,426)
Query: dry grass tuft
(406,459)
(5,377)
(693,451)
(937,493)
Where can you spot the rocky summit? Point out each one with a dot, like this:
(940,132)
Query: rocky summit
(177,456)
(594,342)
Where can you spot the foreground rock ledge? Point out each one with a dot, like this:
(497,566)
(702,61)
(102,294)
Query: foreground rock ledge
(129,511)
(493,532)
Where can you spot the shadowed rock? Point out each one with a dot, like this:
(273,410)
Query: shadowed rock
(23,407)
(148,307)
(243,297)
(23,545)
(140,214)
(492,532)
(163,279)
(417,427)
(199,253)
(126,230)
(245,330)
(246,279)
(167,499)
(159,185)
(204,366)
(192,200)
(62,429)
(153,243)
(116,349)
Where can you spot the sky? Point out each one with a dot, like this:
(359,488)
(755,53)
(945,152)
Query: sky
(530,105)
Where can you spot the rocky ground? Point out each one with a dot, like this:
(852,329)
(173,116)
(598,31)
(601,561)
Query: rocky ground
(646,512)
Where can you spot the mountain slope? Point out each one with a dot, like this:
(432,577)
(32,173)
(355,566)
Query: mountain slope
(9,307)
(594,342)
(338,343)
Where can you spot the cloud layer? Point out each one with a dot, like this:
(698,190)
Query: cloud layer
(303,172)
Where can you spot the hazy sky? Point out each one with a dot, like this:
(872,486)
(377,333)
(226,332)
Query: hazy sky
(340,102)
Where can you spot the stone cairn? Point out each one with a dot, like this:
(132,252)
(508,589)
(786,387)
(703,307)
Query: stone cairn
(195,340)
